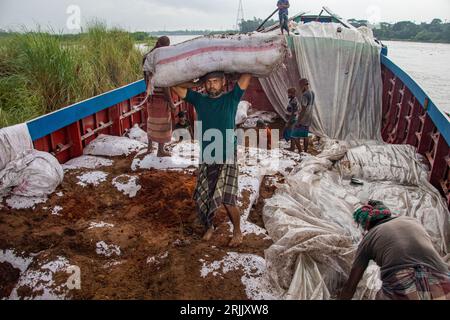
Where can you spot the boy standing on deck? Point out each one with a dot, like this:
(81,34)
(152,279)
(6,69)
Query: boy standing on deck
(305,114)
(283,13)
(289,130)
(217,181)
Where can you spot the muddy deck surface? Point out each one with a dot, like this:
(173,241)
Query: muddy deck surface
(158,233)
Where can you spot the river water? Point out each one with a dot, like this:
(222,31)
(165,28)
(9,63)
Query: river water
(427,63)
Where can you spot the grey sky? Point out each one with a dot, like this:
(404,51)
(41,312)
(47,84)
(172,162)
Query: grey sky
(152,15)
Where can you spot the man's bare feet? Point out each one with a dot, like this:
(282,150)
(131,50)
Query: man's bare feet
(236,240)
(163,154)
(209,233)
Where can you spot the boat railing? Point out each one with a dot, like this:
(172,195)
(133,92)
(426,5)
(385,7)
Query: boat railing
(411,117)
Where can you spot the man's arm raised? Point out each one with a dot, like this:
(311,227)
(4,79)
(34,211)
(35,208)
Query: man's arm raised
(182,89)
(244,81)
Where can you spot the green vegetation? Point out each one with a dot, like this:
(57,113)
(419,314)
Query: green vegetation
(41,72)
(252,25)
(436,31)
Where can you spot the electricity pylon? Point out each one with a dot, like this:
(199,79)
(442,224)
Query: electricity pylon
(240,15)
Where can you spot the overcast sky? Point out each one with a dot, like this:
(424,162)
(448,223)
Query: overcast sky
(153,15)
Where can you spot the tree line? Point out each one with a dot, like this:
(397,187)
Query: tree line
(435,31)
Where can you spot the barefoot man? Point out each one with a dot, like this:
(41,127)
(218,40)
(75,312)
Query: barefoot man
(217,181)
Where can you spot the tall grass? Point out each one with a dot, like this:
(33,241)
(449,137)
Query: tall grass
(40,72)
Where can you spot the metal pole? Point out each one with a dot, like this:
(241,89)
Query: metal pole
(262,24)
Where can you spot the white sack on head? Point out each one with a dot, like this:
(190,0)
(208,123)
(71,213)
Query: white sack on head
(254,53)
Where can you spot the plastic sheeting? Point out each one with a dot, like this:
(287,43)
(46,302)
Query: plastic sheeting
(310,219)
(344,69)
(276,86)
(396,175)
(255,53)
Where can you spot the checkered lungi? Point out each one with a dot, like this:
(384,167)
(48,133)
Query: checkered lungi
(217,184)
(418,283)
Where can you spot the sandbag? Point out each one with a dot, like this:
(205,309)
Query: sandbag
(258,54)
(14,141)
(36,174)
(136,133)
(113,146)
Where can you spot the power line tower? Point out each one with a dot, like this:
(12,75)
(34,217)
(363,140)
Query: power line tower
(240,15)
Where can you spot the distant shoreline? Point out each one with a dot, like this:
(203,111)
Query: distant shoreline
(198,35)
(415,41)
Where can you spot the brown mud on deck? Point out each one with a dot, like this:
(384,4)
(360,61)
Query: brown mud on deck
(157,233)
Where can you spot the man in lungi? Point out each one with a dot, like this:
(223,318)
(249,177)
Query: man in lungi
(217,181)
(411,268)
(159,121)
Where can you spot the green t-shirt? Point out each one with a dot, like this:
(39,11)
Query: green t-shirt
(216,113)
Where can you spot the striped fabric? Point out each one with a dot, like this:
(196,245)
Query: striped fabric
(418,283)
(217,184)
(159,123)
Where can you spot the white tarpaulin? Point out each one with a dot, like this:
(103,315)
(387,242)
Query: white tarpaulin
(344,70)
(276,86)
(310,221)
(255,53)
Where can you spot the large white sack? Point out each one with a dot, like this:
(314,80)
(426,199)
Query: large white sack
(36,174)
(136,133)
(112,146)
(255,53)
(14,141)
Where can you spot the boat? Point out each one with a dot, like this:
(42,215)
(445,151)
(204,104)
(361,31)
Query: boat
(409,116)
